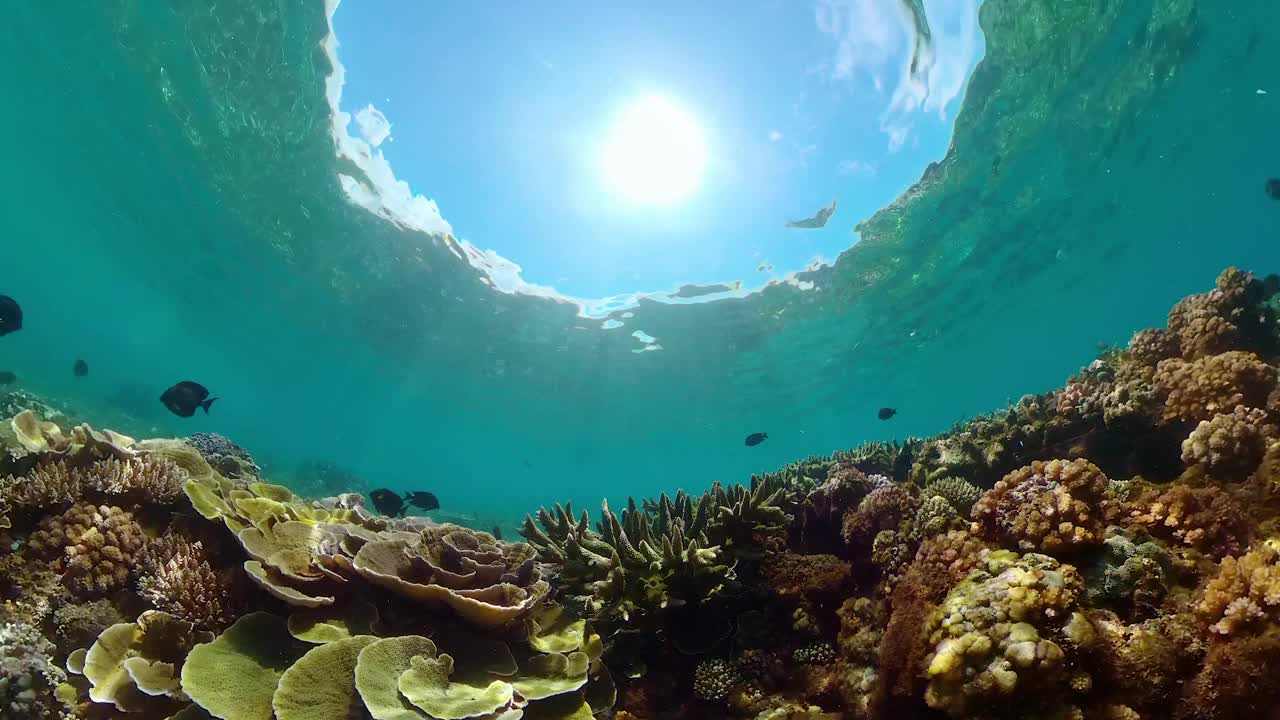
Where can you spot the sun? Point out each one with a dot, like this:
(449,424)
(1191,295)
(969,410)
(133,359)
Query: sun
(654,153)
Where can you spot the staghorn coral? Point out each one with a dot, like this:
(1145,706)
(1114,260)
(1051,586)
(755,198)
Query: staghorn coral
(818,653)
(177,576)
(1045,506)
(671,552)
(28,677)
(1197,390)
(97,545)
(1229,445)
(1009,631)
(146,479)
(1205,518)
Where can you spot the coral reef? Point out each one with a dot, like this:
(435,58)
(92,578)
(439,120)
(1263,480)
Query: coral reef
(1045,507)
(1107,550)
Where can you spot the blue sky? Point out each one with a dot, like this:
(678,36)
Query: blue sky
(497,113)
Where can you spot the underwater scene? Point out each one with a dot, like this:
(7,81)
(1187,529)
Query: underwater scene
(830,360)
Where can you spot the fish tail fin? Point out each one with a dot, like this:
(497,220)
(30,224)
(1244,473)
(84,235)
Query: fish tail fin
(206,404)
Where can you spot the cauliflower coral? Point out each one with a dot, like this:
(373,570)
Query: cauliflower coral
(1045,506)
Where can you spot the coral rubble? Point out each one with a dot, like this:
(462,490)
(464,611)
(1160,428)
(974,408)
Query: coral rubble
(1107,550)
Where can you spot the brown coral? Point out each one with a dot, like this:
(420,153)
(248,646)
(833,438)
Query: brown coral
(940,563)
(884,508)
(1148,347)
(1045,506)
(98,545)
(1219,320)
(1207,518)
(1199,389)
(176,576)
(147,479)
(1236,680)
(791,575)
(1229,445)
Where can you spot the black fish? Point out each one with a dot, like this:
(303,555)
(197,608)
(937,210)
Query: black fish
(81,368)
(756,438)
(1273,188)
(388,502)
(497,532)
(886,413)
(7,378)
(422,500)
(183,399)
(10,315)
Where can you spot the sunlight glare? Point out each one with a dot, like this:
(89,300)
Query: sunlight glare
(654,154)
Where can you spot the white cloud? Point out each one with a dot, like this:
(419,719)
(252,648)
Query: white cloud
(857,168)
(774,136)
(877,38)
(374,127)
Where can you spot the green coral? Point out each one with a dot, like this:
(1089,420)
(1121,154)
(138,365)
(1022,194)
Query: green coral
(673,551)
(321,684)
(234,677)
(427,684)
(958,492)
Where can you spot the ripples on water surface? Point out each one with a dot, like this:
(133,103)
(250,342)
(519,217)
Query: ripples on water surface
(173,209)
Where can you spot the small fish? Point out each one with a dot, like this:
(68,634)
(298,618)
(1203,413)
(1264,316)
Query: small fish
(388,502)
(886,413)
(7,378)
(183,399)
(80,369)
(497,532)
(422,500)
(10,315)
(756,438)
(1273,189)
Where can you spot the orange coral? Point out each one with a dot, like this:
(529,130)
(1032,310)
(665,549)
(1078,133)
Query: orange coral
(1199,389)
(98,545)
(1245,593)
(790,574)
(1206,518)
(1045,506)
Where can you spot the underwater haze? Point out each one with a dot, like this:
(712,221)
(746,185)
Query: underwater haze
(184,203)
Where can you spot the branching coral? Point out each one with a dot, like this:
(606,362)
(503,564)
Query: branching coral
(176,576)
(671,552)
(98,545)
(1229,446)
(1245,593)
(1199,389)
(1009,630)
(1046,506)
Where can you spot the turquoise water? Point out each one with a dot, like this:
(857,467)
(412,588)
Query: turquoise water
(173,211)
